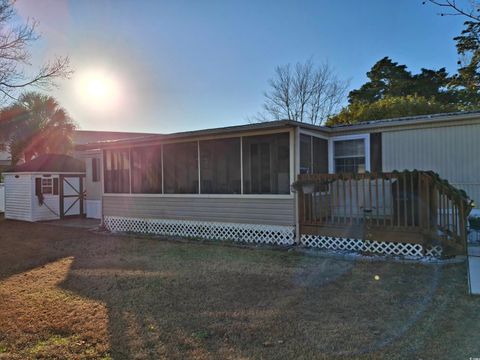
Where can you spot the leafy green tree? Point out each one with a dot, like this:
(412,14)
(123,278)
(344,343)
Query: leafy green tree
(390,107)
(393,91)
(36,124)
(388,78)
(467,80)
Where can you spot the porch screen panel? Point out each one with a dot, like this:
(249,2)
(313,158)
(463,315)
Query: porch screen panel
(266,164)
(220,166)
(117,171)
(180,168)
(320,155)
(313,155)
(147,170)
(305,154)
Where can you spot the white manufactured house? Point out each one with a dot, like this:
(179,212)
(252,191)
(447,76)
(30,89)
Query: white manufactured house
(49,187)
(373,187)
(236,182)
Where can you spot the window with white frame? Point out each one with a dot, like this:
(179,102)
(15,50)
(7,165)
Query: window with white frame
(47,186)
(349,156)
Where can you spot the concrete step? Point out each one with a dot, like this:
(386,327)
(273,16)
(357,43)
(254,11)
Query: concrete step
(474,269)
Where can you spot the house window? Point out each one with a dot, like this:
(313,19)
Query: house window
(349,156)
(266,164)
(117,171)
(47,186)
(147,170)
(313,155)
(95,170)
(180,168)
(220,166)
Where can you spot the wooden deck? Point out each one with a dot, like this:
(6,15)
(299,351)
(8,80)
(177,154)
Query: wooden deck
(409,207)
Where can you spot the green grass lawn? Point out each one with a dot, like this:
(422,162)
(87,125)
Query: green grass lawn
(67,293)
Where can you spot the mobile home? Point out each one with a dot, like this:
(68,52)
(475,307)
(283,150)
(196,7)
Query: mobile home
(236,182)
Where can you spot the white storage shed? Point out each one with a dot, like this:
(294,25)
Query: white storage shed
(49,187)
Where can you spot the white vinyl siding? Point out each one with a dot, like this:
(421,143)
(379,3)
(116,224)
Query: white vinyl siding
(237,210)
(50,209)
(451,151)
(18,197)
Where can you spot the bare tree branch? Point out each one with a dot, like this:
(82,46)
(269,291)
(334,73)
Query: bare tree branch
(303,92)
(15,41)
(473,12)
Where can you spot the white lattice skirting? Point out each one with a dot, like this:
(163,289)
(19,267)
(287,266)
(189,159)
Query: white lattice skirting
(370,246)
(252,233)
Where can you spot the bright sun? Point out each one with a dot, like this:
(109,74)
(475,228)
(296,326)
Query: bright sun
(98,89)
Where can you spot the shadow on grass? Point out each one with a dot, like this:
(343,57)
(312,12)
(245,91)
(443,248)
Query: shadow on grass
(187,300)
(194,301)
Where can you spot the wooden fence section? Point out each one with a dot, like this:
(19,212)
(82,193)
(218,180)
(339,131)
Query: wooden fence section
(409,206)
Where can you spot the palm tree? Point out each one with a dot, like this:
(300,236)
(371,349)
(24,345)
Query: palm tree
(36,124)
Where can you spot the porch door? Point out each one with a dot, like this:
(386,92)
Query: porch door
(72,196)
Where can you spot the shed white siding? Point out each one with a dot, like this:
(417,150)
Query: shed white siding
(451,151)
(18,197)
(2,197)
(50,209)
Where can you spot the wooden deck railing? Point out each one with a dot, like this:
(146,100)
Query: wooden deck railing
(409,202)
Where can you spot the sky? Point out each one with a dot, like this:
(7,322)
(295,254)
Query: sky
(167,66)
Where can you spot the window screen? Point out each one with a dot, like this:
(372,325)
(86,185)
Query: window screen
(220,166)
(117,171)
(313,155)
(305,154)
(95,169)
(180,168)
(266,164)
(147,170)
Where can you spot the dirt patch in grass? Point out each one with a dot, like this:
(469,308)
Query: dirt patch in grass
(71,294)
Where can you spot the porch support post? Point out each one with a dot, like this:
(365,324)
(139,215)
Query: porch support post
(80,179)
(60,195)
(295,139)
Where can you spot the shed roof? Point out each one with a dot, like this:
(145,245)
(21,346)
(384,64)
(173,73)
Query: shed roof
(52,163)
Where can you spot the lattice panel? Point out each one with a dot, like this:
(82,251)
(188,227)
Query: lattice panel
(434,251)
(371,246)
(252,233)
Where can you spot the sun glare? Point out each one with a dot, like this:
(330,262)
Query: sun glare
(98,90)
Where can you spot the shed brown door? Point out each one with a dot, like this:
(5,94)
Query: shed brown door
(72,195)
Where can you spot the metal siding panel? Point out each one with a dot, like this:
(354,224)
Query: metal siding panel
(240,210)
(450,151)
